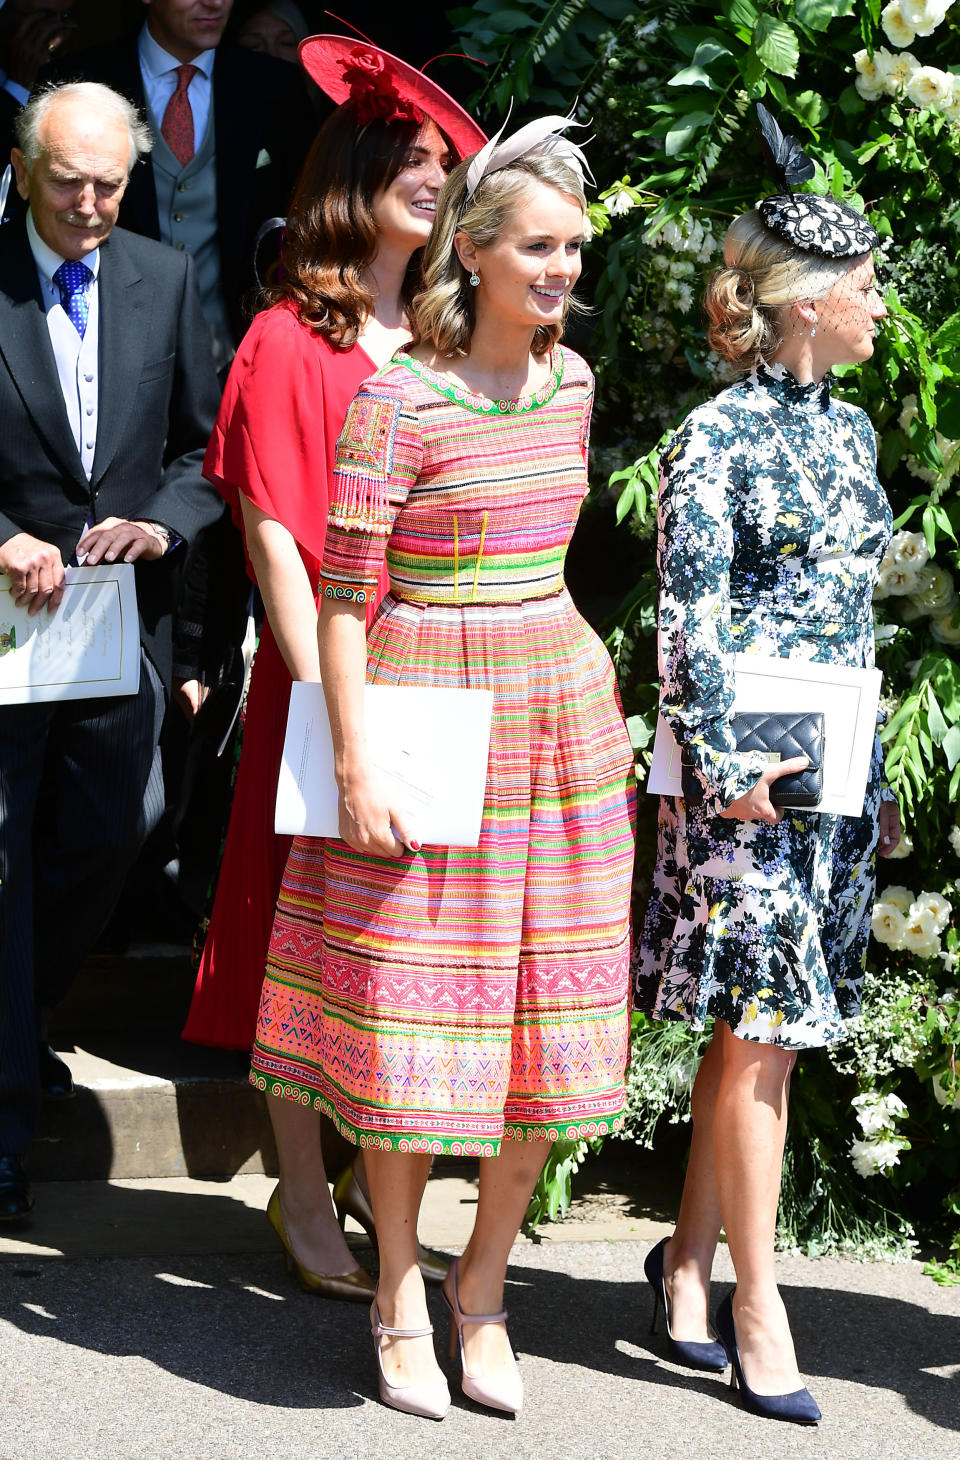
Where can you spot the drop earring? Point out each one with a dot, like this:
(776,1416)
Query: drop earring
(813,332)
(475,279)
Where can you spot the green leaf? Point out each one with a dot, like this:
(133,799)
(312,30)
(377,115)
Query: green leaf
(950,745)
(948,334)
(936,724)
(742,12)
(625,502)
(708,51)
(693,76)
(776,45)
(809,106)
(817,14)
(685,129)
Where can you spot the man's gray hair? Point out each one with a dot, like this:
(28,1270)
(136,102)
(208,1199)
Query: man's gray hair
(99,98)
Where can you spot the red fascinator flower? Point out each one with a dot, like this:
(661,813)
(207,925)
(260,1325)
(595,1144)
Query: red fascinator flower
(382,85)
(373,90)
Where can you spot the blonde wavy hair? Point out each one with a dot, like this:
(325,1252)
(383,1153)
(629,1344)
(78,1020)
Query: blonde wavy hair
(747,301)
(444,310)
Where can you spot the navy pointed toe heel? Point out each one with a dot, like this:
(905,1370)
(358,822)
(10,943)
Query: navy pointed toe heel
(799,1408)
(709,1358)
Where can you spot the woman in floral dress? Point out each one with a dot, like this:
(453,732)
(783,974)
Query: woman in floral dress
(772,527)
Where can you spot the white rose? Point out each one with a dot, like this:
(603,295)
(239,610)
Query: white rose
(895,580)
(935,591)
(933,902)
(944,629)
(950,107)
(904,848)
(897,70)
(901,897)
(909,549)
(871,79)
(888,924)
(924,15)
(929,87)
(895,27)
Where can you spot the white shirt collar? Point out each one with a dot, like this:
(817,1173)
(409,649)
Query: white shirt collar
(47,261)
(155,61)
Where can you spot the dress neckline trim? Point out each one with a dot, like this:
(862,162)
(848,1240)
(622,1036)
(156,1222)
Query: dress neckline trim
(482,404)
(781,383)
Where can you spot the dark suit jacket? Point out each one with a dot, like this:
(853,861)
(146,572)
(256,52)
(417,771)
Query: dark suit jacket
(158,401)
(259,106)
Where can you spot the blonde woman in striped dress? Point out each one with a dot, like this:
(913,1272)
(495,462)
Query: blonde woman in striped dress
(472,1001)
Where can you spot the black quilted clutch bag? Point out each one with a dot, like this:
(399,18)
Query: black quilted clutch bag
(778,737)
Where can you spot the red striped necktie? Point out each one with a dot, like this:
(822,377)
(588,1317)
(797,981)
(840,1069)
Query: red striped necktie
(177,125)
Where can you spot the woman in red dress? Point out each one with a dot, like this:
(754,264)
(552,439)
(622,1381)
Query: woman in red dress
(363,207)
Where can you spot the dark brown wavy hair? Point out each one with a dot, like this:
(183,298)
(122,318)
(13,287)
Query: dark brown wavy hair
(331,235)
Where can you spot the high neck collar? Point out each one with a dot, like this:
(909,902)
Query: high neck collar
(783,385)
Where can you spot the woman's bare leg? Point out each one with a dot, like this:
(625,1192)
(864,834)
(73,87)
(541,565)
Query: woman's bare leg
(308,1213)
(506,1185)
(750,1123)
(397,1181)
(688,1258)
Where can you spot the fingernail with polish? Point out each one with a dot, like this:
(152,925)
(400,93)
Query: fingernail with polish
(414,846)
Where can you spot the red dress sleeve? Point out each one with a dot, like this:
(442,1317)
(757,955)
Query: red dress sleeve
(285,400)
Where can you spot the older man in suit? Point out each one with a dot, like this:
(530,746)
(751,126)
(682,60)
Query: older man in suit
(230,132)
(107,397)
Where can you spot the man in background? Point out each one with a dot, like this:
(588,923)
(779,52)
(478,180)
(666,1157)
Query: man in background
(229,135)
(107,398)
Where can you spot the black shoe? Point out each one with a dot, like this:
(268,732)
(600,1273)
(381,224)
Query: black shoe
(709,1358)
(16,1198)
(56,1081)
(799,1407)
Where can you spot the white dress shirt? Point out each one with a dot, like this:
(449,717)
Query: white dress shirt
(159,71)
(78,361)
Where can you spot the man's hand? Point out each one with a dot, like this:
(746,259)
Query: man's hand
(35,570)
(190,694)
(33,41)
(117,540)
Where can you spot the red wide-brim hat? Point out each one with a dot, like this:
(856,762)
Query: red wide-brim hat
(324,58)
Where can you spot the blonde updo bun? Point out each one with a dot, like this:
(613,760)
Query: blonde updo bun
(747,300)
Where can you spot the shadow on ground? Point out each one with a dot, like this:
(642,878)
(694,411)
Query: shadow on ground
(222,1322)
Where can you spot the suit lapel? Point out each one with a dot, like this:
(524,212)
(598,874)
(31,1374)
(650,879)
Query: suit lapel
(26,348)
(123,298)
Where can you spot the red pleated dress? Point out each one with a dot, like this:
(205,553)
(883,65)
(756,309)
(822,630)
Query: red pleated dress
(282,411)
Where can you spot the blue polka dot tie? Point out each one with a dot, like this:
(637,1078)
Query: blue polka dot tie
(73,281)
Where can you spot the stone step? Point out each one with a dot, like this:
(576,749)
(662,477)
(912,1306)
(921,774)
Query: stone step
(147,988)
(152,1106)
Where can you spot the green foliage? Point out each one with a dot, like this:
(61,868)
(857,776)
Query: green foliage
(553,1192)
(670,90)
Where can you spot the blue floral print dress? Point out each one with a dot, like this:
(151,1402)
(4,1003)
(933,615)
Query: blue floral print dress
(772,525)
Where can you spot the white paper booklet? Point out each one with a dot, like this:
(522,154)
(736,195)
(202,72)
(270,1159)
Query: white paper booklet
(87,648)
(429,746)
(848,699)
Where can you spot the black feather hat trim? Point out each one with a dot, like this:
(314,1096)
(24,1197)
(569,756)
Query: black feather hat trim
(810,221)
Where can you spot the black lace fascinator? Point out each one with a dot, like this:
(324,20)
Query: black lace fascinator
(810,221)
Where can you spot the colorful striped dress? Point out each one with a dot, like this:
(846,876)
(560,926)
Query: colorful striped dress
(458,996)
